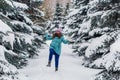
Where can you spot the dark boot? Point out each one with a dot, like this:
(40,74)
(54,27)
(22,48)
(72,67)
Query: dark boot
(49,64)
(56,69)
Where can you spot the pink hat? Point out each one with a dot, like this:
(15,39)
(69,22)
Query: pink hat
(58,30)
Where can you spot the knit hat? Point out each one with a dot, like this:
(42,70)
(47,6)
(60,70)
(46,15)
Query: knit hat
(58,30)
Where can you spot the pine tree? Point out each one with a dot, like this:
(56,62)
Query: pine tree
(58,15)
(66,12)
(67,9)
(94,26)
(57,18)
(19,38)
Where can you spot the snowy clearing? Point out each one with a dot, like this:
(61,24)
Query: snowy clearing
(69,67)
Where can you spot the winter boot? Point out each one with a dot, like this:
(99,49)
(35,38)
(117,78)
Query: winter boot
(49,64)
(56,69)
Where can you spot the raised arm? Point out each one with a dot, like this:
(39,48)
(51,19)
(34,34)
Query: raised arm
(64,40)
(47,37)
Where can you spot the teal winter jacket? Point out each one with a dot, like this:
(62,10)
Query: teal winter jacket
(56,43)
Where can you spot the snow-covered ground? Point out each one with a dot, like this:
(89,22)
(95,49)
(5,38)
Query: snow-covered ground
(69,68)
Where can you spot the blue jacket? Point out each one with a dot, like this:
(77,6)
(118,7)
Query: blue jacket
(56,43)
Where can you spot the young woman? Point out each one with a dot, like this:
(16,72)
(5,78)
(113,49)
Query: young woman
(55,46)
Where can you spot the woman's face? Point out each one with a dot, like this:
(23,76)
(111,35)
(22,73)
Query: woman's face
(58,34)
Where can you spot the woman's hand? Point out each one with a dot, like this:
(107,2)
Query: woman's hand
(70,41)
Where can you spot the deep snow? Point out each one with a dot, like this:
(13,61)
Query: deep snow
(69,69)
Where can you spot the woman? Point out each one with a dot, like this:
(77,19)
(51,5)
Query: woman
(55,47)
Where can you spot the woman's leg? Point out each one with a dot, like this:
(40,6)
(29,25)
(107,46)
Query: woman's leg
(50,57)
(56,61)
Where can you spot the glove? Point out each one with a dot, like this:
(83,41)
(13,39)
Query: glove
(70,42)
(44,37)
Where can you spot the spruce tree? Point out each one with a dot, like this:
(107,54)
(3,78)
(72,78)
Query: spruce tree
(67,9)
(94,26)
(19,38)
(57,18)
